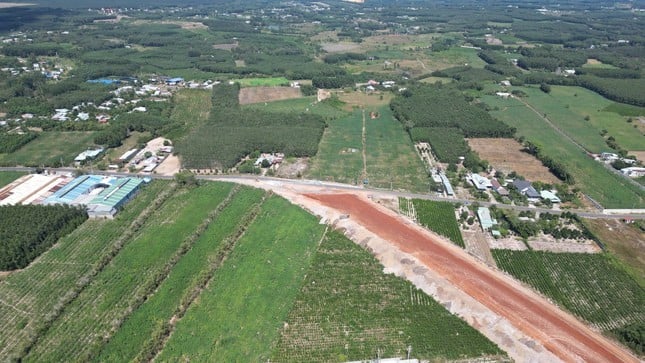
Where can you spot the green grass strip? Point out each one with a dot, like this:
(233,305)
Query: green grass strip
(237,318)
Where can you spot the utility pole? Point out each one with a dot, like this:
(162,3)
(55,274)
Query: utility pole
(409,351)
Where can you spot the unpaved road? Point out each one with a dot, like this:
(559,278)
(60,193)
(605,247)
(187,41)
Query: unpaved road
(557,331)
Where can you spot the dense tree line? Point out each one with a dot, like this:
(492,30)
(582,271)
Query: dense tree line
(468,74)
(633,335)
(344,57)
(432,106)
(12,142)
(447,143)
(232,133)
(557,168)
(609,72)
(26,231)
(626,90)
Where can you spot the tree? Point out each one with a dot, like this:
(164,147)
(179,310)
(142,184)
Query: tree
(186,178)
(265,163)
(545,88)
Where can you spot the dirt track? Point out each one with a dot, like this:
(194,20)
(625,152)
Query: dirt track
(559,332)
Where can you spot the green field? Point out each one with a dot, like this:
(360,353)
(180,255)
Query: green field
(625,109)
(49,148)
(589,285)
(192,108)
(390,157)
(142,331)
(439,217)
(35,293)
(339,155)
(238,317)
(326,109)
(132,276)
(256,82)
(347,309)
(7,177)
(610,190)
(567,108)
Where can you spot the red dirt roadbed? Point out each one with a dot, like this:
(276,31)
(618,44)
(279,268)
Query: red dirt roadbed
(558,331)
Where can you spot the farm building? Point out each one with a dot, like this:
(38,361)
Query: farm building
(109,200)
(547,195)
(526,188)
(174,81)
(446,184)
(102,195)
(128,155)
(487,222)
(633,172)
(32,188)
(480,182)
(88,155)
(499,188)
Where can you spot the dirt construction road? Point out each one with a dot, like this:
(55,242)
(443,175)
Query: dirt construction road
(559,332)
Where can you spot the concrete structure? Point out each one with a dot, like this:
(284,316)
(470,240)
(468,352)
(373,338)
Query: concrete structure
(487,222)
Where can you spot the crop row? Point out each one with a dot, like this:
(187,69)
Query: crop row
(588,285)
(39,292)
(348,309)
(139,336)
(238,315)
(439,217)
(116,290)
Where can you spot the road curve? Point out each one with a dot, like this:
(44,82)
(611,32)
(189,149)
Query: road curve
(558,331)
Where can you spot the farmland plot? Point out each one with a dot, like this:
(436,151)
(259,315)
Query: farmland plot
(439,217)
(347,309)
(143,330)
(30,295)
(130,277)
(588,285)
(609,189)
(237,317)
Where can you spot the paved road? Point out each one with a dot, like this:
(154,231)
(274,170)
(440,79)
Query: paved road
(349,187)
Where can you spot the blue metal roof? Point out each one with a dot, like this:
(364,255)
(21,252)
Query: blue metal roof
(74,189)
